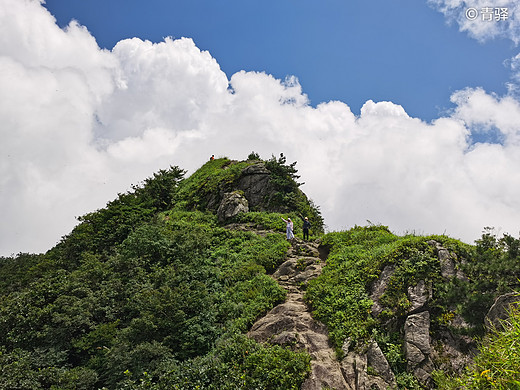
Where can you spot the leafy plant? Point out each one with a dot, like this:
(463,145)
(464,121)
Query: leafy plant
(497,366)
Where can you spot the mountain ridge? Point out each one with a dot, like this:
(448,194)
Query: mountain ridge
(160,288)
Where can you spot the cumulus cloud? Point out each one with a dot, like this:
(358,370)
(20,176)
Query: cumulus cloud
(80,124)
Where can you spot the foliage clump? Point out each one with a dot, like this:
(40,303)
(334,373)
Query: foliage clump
(203,189)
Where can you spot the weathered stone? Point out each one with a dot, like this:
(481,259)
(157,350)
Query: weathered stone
(417,346)
(448,262)
(285,339)
(418,295)
(298,270)
(417,338)
(453,353)
(423,373)
(379,287)
(348,368)
(346,346)
(232,204)
(322,376)
(255,169)
(377,360)
(499,311)
(355,367)
(287,268)
(458,322)
(255,183)
(305,249)
(291,324)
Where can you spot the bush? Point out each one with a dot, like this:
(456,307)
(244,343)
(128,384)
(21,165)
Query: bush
(497,366)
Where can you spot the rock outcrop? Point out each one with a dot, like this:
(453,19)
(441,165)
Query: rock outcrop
(365,367)
(232,203)
(251,190)
(499,312)
(291,324)
(356,366)
(255,183)
(379,287)
(417,345)
(450,350)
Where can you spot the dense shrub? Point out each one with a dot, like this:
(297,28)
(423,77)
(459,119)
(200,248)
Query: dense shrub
(168,293)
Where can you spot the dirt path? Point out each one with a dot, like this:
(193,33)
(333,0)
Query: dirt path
(291,324)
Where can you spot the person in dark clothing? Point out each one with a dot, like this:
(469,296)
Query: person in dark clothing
(306,227)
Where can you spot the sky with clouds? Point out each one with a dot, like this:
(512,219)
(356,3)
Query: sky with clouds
(420,133)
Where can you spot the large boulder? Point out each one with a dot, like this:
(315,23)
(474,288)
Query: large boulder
(254,182)
(232,203)
(417,345)
(364,359)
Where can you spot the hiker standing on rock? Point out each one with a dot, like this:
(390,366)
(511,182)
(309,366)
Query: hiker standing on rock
(290,226)
(306,227)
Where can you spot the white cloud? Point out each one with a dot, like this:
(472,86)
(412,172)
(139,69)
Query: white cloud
(80,124)
(477,17)
(484,111)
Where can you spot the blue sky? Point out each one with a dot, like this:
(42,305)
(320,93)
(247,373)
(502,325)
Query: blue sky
(404,52)
(404,113)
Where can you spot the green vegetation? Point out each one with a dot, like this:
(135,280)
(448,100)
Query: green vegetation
(202,190)
(287,195)
(357,257)
(148,292)
(497,366)
(153,292)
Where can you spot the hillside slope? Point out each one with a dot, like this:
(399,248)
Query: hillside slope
(165,287)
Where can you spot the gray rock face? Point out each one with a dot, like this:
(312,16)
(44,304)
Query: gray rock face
(499,312)
(291,324)
(356,365)
(417,337)
(419,296)
(255,183)
(453,354)
(232,204)
(365,367)
(417,345)
(377,360)
(379,287)
(448,262)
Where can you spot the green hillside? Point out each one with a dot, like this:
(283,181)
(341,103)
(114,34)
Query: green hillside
(153,289)
(157,290)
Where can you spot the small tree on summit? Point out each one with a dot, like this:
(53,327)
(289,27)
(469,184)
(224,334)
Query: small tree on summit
(253,156)
(288,195)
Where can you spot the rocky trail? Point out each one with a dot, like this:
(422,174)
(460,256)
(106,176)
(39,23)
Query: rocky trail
(364,367)
(291,324)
